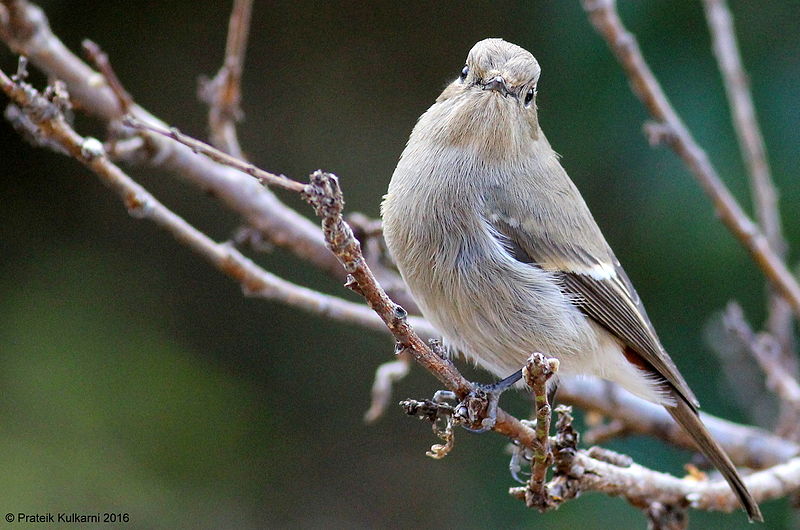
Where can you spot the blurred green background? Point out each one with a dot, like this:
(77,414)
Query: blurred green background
(135,378)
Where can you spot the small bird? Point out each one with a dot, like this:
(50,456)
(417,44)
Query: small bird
(504,257)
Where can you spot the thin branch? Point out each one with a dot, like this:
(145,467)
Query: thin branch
(385,377)
(538,370)
(766,351)
(100,60)
(603,15)
(754,154)
(223,92)
(265,177)
(751,141)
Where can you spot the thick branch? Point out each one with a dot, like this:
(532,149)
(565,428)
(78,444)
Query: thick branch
(601,470)
(747,446)
(639,485)
(603,15)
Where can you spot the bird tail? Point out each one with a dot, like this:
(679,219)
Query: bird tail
(688,418)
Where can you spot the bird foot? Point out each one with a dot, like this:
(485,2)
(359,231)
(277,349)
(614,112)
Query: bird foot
(477,412)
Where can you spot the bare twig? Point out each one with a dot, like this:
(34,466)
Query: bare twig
(603,15)
(223,92)
(265,177)
(385,376)
(607,455)
(537,371)
(101,62)
(766,351)
(751,144)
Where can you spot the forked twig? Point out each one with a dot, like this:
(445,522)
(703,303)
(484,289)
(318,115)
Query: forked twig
(223,92)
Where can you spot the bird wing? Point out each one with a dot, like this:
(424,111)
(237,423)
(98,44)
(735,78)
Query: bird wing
(600,288)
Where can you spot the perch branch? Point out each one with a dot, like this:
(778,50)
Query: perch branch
(603,15)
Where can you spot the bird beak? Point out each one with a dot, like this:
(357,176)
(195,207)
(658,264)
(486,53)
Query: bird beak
(498,84)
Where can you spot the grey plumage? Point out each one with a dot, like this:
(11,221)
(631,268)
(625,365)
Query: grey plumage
(504,257)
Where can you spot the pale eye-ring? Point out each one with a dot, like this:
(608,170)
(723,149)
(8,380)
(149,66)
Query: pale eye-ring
(529,96)
(464,72)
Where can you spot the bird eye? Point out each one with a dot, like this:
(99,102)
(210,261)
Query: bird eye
(464,72)
(529,96)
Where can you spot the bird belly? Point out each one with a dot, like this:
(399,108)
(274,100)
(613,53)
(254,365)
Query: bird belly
(496,313)
(493,309)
